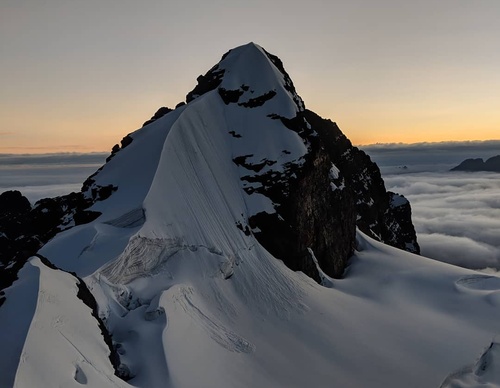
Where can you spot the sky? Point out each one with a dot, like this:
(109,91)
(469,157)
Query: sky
(79,75)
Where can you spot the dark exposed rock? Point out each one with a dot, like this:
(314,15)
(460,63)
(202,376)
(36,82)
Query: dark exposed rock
(280,238)
(96,192)
(320,202)
(258,101)
(24,232)
(245,229)
(126,141)
(241,161)
(309,213)
(399,229)
(159,114)
(288,81)
(492,164)
(364,178)
(116,148)
(234,134)
(13,202)
(230,96)
(210,81)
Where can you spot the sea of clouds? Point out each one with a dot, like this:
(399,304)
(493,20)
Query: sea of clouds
(456,214)
(49,175)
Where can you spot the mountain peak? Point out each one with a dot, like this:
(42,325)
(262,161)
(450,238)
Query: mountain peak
(248,75)
(195,229)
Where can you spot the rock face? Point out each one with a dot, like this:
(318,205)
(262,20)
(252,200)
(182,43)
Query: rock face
(492,164)
(337,189)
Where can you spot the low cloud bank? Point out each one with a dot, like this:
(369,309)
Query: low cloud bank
(456,215)
(420,157)
(49,175)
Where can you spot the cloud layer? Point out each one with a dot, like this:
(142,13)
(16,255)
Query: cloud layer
(42,176)
(456,214)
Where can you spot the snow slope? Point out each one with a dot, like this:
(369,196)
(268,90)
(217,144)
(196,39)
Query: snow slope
(191,300)
(64,345)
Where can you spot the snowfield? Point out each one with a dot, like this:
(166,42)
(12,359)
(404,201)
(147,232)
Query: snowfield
(192,301)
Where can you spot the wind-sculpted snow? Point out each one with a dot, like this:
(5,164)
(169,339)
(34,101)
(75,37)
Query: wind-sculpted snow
(484,373)
(141,257)
(130,219)
(184,298)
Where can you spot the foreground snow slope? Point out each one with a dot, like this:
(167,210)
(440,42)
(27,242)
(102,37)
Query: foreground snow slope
(395,320)
(192,300)
(64,345)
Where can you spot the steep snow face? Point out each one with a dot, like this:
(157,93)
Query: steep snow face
(210,147)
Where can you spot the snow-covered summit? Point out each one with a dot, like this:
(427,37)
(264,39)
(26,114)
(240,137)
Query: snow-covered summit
(249,75)
(231,242)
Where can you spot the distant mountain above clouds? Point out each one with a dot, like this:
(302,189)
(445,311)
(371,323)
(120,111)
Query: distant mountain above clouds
(478,164)
(236,240)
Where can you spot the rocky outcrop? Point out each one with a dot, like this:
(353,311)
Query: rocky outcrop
(13,203)
(320,203)
(205,83)
(398,228)
(25,229)
(159,114)
(371,200)
(492,164)
(116,148)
